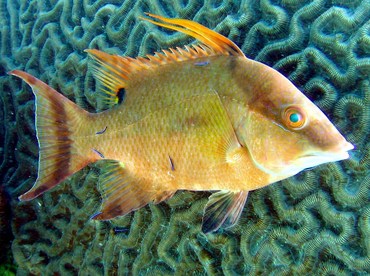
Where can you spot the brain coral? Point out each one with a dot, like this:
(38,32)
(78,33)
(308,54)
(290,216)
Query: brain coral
(315,223)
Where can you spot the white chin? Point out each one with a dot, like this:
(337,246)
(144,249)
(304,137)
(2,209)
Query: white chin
(312,160)
(304,162)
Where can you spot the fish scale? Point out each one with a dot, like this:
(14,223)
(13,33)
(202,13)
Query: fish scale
(202,117)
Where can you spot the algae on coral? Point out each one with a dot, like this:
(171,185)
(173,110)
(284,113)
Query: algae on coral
(317,222)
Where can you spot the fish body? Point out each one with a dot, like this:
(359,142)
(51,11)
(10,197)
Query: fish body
(171,117)
(199,118)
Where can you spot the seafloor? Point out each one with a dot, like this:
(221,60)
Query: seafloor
(316,223)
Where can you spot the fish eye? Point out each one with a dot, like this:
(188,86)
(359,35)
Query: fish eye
(294,117)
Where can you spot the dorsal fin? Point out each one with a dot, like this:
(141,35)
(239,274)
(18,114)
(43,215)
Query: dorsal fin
(214,41)
(114,71)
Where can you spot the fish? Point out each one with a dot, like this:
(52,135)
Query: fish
(202,117)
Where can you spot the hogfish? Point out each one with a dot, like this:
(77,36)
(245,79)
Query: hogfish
(200,118)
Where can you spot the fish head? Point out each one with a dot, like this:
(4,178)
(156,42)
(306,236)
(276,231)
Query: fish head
(285,132)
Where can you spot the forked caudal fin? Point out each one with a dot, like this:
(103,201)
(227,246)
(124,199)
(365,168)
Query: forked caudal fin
(57,120)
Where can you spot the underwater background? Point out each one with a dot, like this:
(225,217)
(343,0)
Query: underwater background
(316,223)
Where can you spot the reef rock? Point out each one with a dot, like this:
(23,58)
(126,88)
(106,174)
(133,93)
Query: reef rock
(315,223)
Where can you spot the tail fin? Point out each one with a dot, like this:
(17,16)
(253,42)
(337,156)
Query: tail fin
(57,119)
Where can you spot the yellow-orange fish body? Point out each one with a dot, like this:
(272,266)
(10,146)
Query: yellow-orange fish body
(171,121)
(200,118)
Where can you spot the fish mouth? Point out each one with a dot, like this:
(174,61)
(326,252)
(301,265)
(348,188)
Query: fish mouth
(320,157)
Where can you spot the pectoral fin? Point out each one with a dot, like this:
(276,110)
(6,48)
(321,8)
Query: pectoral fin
(223,209)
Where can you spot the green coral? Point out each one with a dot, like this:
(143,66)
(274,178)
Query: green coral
(7,266)
(314,223)
(7,269)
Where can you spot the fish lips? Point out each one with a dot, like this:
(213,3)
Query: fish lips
(320,157)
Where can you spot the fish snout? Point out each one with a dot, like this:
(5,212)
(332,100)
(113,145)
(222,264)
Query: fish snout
(341,150)
(315,157)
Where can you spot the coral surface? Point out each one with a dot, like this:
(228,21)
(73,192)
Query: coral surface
(316,223)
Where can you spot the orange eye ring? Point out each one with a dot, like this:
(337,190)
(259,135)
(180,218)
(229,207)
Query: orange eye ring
(294,118)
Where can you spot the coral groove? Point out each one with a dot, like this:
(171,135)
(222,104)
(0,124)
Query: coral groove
(316,223)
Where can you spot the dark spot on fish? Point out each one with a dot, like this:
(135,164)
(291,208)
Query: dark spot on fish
(98,153)
(172,165)
(201,63)
(121,94)
(194,121)
(102,131)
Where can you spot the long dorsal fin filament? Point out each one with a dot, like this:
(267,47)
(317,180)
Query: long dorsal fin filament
(215,41)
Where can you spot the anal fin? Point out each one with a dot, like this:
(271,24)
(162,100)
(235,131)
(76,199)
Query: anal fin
(223,209)
(122,192)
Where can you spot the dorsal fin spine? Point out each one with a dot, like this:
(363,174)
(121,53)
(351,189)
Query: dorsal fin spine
(213,40)
(114,71)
